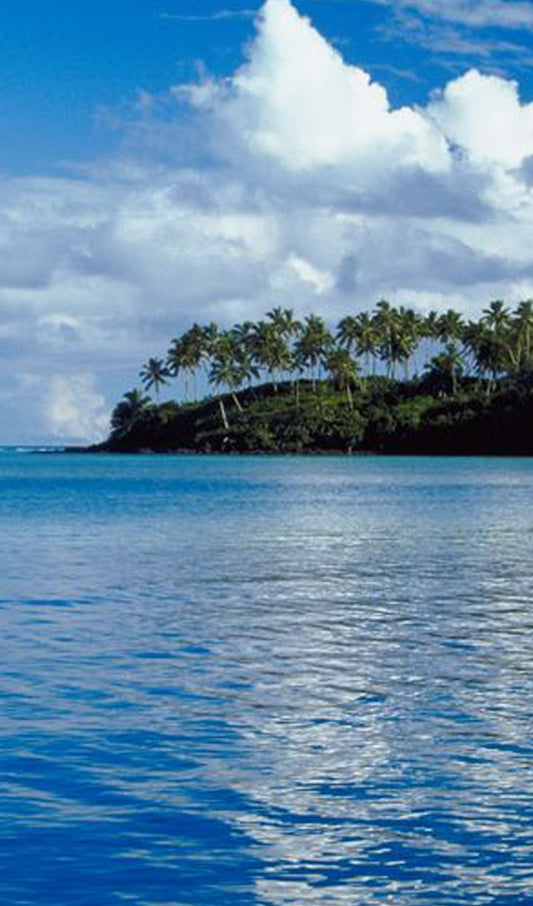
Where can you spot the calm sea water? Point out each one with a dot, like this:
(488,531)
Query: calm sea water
(266,681)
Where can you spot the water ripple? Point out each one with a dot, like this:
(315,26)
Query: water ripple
(266,681)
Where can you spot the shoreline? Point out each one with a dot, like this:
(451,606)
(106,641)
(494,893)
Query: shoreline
(336,454)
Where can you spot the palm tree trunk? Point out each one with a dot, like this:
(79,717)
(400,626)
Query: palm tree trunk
(349,395)
(223,413)
(236,400)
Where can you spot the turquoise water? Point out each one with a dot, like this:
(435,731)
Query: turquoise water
(266,681)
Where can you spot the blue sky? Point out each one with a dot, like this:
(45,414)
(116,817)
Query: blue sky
(168,160)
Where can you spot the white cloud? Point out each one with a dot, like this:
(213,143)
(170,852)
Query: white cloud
(74,410)
(320,280)
(297,101)
(483,115)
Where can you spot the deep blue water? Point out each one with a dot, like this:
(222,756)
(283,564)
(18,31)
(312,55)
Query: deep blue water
(266,681)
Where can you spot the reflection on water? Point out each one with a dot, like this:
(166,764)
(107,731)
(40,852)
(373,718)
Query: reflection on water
(266,681)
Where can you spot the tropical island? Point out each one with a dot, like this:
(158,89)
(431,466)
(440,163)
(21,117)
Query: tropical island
(389,381)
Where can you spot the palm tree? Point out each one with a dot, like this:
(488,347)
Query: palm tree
(231,365)
(269,349)
(385,322)
(278,359)
(182,356)
(127,412)
(243,334)
(487,351)
(450,326)
(189,351)
(344,371)
(358,333)
(210,334)
(312,345)
(429,330)
(473,332)
(175,358)
(348,332)
(430,325)
(500,352)
(194,346)
(446,368)
(400,346)
(284,321)
(154,374)
(366,339)
(410,329)
(226,371)
(497,317)
(523,326)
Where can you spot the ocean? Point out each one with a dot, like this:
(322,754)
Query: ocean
(263,681)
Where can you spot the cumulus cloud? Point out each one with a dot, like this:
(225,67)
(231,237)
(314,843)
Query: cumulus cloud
(297,101)
(483,115)
(74,411)
(308,188)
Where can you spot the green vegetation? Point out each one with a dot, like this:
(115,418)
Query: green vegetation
(389,381)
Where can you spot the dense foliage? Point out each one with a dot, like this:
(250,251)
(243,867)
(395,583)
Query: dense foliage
(288,386)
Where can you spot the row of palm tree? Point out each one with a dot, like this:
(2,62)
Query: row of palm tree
(499,343)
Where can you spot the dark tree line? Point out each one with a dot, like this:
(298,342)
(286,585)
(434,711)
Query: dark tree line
(397,342)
